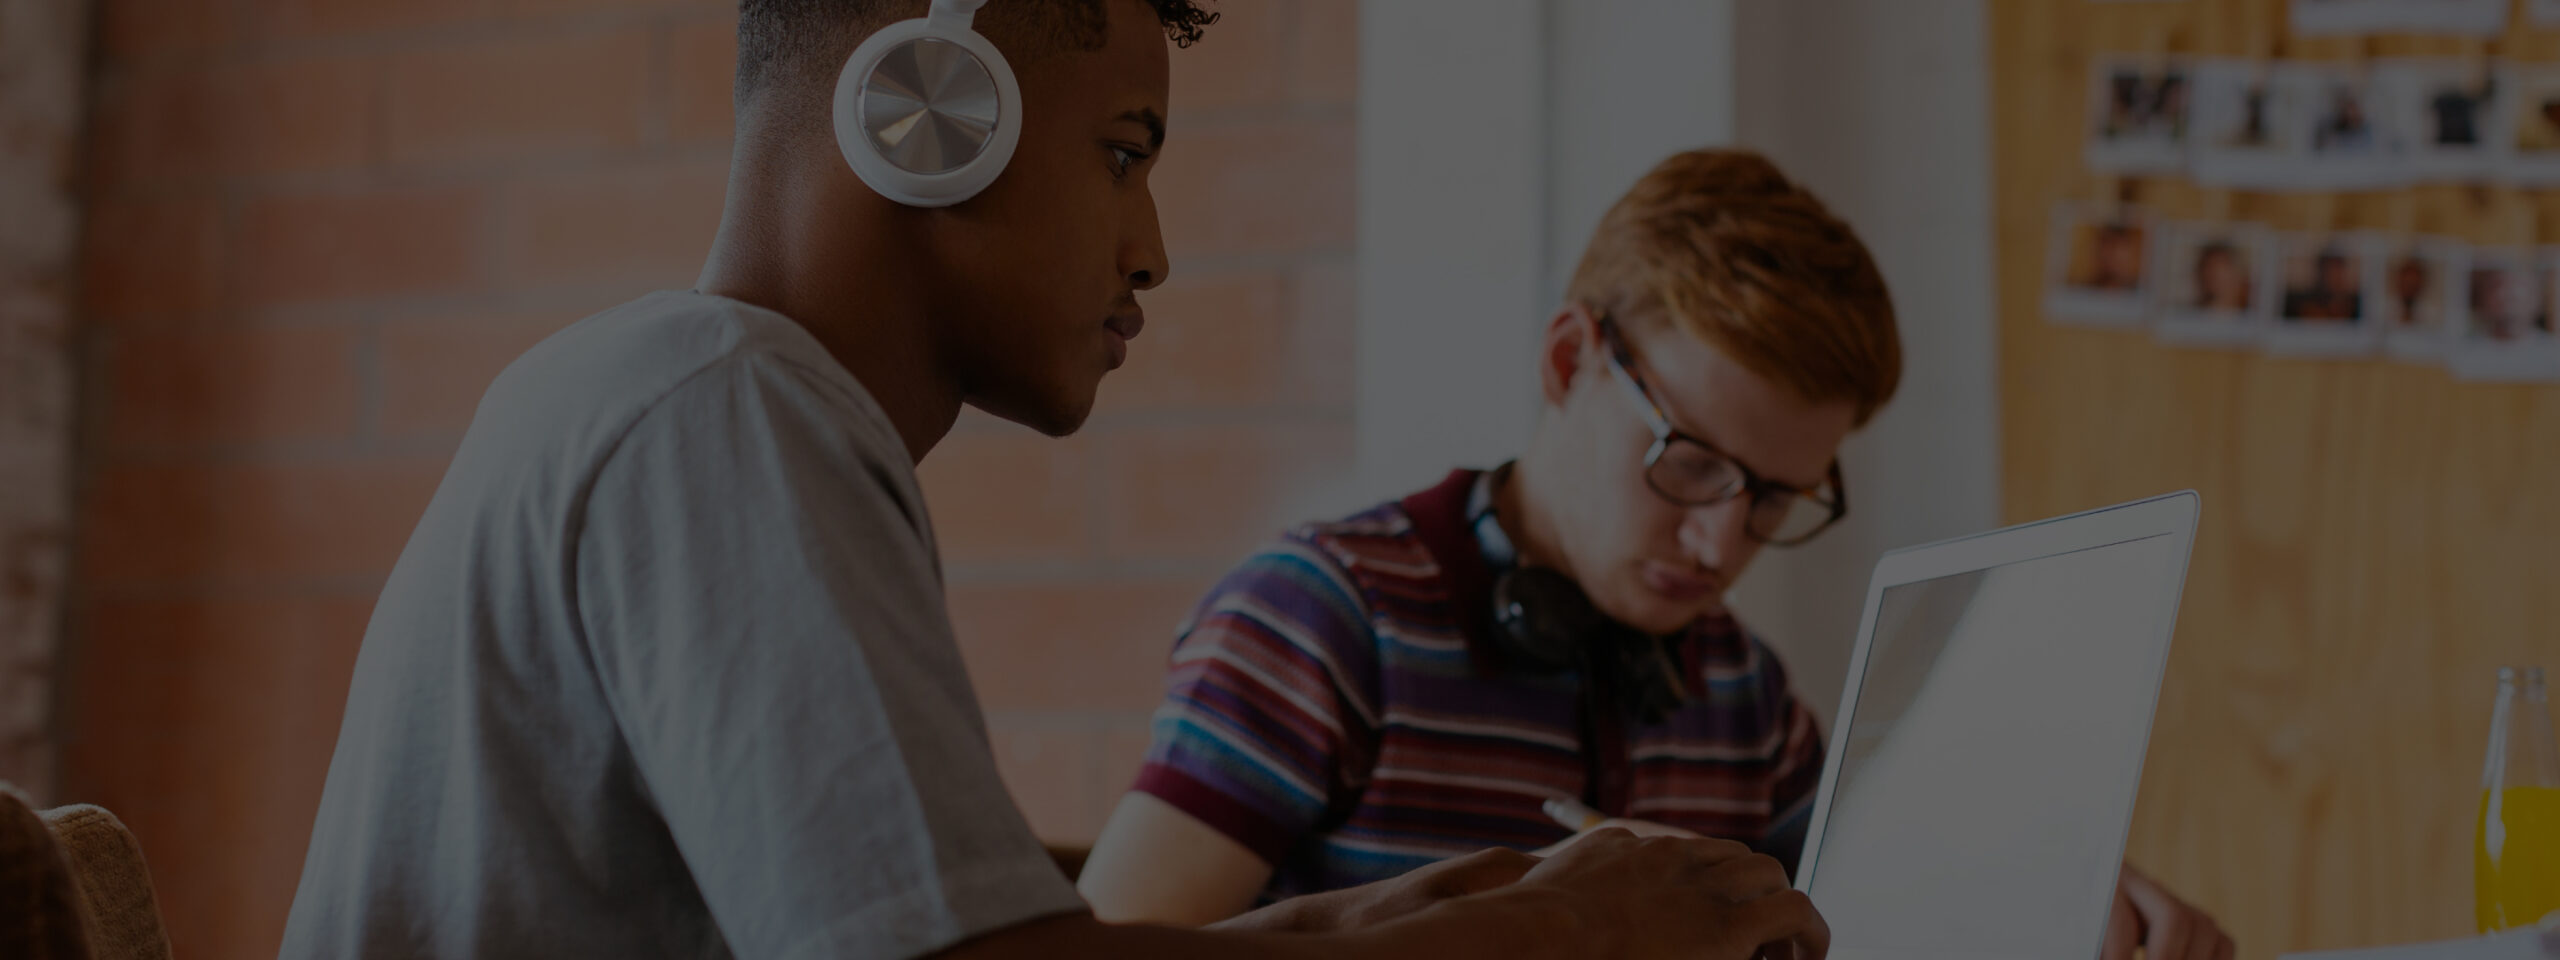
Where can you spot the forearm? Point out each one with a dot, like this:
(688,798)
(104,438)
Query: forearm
(1155,863)
(1311,913)
(1475,927)
(1524,926)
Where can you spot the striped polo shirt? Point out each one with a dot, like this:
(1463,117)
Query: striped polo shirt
(1335,706)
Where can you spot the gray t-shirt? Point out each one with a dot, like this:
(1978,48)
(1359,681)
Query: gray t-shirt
(665,672)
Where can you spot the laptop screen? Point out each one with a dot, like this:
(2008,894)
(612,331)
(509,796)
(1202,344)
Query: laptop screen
(1992,754)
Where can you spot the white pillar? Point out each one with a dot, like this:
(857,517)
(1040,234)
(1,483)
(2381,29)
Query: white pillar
(1493,134)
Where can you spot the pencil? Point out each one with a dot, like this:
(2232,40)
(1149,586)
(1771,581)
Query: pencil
(1572,814)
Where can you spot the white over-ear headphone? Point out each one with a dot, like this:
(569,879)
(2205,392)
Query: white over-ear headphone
(927,111)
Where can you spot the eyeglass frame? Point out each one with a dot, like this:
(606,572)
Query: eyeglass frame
(1621,362)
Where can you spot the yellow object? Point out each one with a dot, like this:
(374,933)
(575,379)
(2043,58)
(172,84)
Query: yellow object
(2516,857)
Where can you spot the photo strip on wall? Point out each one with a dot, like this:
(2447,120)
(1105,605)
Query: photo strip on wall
(2288,126)
(2097,274)
(2485,313)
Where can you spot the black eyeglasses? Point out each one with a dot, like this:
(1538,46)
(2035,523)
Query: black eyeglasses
(1692,473)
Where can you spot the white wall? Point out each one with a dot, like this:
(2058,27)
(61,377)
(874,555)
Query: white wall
(1493,134)
(1452,237)
(1882,107)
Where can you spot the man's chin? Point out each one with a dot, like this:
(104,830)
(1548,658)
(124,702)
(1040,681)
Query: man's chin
(1648,613)
(1053,416)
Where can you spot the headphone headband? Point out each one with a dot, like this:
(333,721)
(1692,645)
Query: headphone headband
(955,14)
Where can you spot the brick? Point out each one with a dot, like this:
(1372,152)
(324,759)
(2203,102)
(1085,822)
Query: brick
(434,370)
(155,258)
(334,245)
(1050,772)
(1265,187)
(1211,342)
(301,116)
(1210,493)
(156,126)
(1082,646)
(235,523)
(702,66)
(207,726)
(1324,320)
(308,19)
(1007,494)
(651,225)
(1240,61)
(232,385)
(279,117)
(516,97)
(1327,65)
(131,30)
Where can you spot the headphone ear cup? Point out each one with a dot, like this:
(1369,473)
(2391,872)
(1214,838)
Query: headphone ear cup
(927,114)
(1547,624)
(1543,618)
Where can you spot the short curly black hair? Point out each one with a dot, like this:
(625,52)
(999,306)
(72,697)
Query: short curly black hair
(781,39)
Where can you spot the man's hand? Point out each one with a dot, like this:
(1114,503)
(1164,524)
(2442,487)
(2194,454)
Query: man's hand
(2165,927)
(1384,900)
(1663,897)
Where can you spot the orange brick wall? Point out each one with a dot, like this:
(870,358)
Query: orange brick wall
(318,227)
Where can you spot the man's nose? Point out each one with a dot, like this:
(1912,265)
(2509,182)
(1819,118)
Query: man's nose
(1715,534)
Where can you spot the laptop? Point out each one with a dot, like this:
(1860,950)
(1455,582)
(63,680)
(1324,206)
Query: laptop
(1982,773)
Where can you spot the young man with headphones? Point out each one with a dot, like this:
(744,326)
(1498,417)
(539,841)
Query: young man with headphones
(1422,679)
(665,670)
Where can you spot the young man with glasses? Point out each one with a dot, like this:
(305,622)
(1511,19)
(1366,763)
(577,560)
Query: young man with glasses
(1362,698)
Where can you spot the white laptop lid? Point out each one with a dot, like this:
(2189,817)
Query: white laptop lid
(1982,772)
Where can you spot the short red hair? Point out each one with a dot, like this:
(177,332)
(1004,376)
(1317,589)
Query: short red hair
(1722,245)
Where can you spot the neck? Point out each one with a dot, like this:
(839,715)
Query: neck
(801,236)
(1520,508)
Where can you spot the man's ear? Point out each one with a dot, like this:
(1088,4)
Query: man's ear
(1572,337)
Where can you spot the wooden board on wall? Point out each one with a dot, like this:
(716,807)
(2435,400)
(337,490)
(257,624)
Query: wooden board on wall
(2377,538)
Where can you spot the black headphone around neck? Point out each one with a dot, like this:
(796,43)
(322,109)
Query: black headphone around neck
(1544,623)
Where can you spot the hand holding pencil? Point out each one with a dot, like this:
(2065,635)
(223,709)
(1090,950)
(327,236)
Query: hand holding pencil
(1578,817)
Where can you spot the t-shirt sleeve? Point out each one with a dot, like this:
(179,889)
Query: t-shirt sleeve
(1796,765)
(1267,720)
(764,612)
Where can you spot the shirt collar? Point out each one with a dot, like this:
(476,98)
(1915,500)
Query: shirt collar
(1499,553)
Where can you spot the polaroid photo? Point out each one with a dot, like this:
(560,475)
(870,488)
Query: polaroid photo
(2473,18)
(2444,119)
(2213,286)
(2531,130)
(2421,286)
(2138,115)
(2505,331)
(2347,141)
(2243,133)
(2096,266)
(2327,293)
(2327,17)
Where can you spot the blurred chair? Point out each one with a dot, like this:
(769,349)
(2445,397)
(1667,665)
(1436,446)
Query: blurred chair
(73,886)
